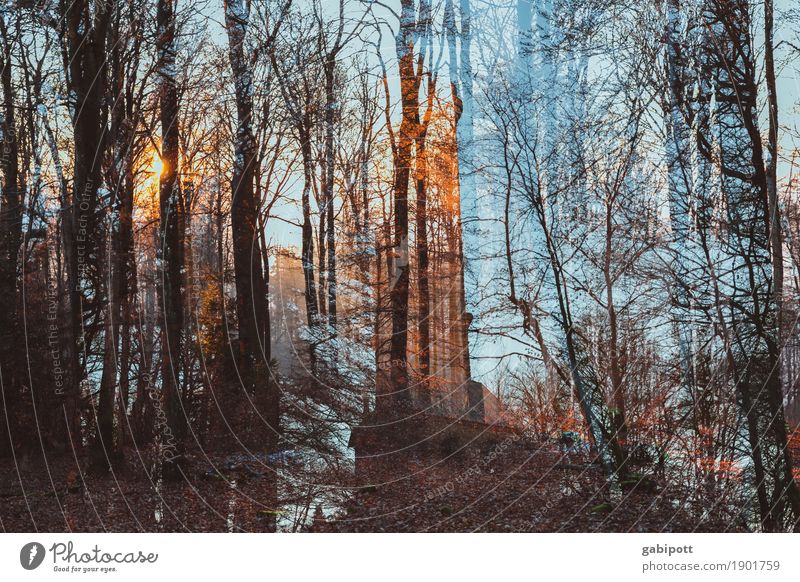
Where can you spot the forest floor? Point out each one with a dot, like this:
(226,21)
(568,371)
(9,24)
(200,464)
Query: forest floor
(58,497)
(524,486)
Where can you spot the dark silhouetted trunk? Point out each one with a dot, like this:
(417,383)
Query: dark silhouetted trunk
(87,25)
(424,314)
(170,251)
(399,277)
(10,235)
(251,291)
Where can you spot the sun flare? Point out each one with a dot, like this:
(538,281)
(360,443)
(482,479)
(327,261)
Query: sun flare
(146,198)
(156,165)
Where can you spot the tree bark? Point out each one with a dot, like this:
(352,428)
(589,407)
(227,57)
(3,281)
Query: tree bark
(170,251)
(251,290)
(424,301)
(86,31)
(10,230)
(331,104)
(399,281)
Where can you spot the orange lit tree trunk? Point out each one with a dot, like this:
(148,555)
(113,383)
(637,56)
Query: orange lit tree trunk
(403,159)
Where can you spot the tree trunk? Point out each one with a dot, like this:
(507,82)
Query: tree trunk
(461,83)
(251,291)
(331,105)
(399,281)
(424,301)
(170,248)
(85,61)
(10,231)
(307,252)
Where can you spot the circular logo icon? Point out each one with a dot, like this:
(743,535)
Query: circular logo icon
(31,555)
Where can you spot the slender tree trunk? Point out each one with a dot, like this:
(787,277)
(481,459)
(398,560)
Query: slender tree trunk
(461,84)
(331,105)
(618,421)
(424,315)
(322,261)
(105,447)
(771,167)
(399,281)
(10,229)
(126,276)
(307,252)
(170,246)
(776,248)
